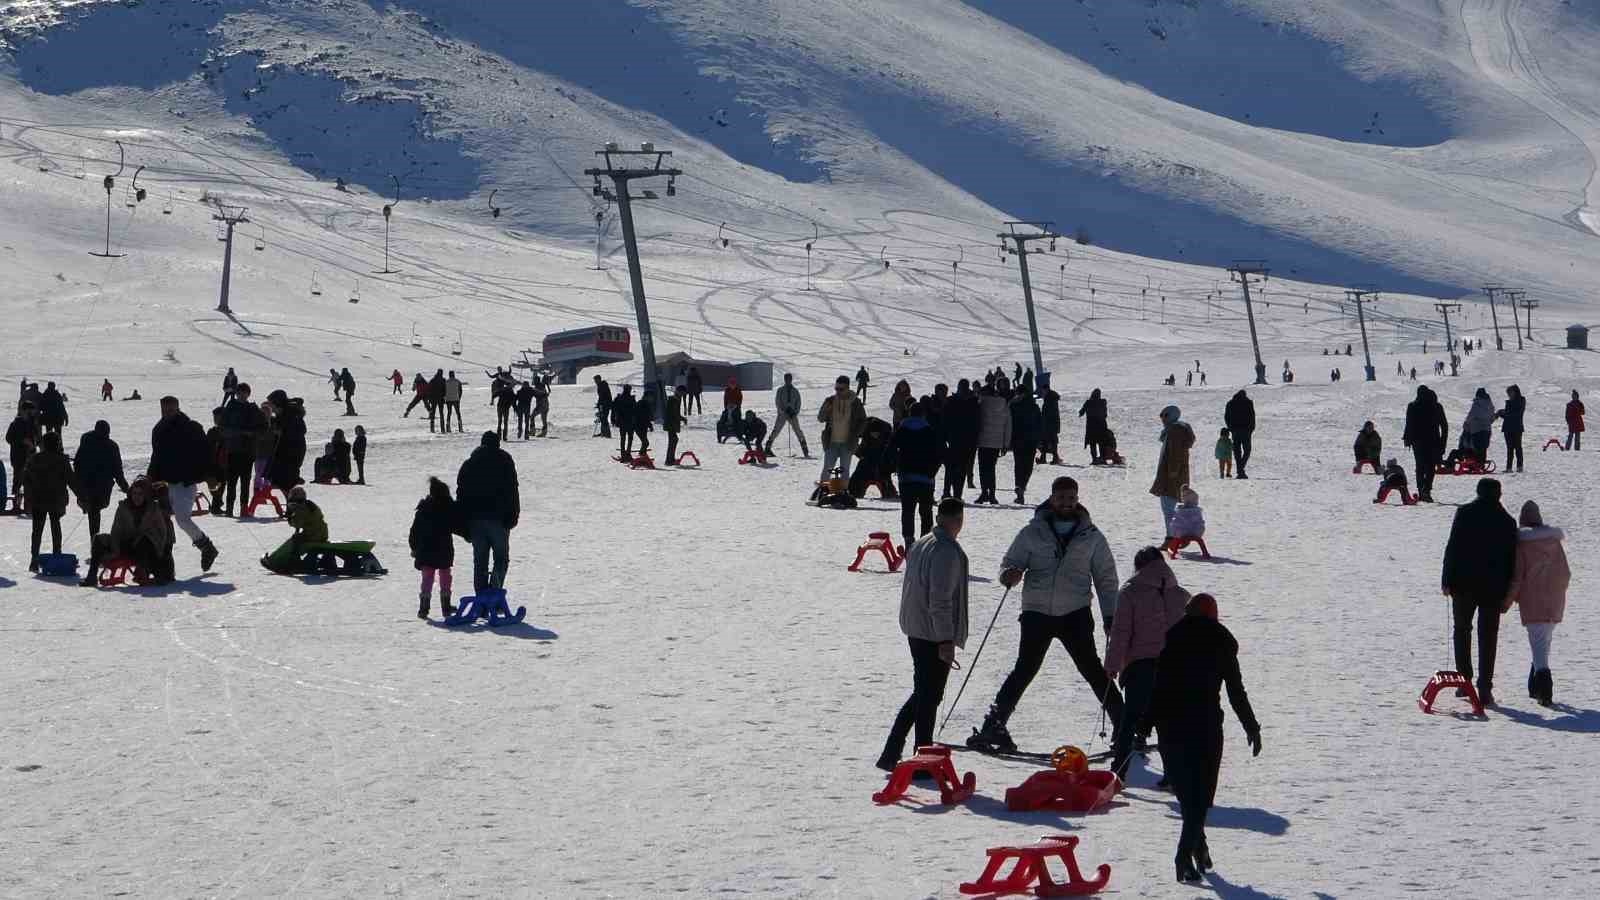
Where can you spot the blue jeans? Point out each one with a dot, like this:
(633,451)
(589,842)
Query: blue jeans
(835,455)
(489,536)
(1169,505)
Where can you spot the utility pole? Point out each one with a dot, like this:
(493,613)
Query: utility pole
(1491,290)
(1359,298)
(1243,271)
(1519,298)
(618,169)
(1019,246)
(231,216)
(1449,342)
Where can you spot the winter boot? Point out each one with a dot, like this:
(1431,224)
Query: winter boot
(1186,871)
(422,608)
(888,759)
(33,564)
(1544,687)
(993,735)
(208,553)
(1533,684)
(444,602)
(1202,857)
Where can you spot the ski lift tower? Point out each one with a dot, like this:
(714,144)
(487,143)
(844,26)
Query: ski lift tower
(231,217)
(1018,244)
(1244,271)
(1361,297)
(624,167)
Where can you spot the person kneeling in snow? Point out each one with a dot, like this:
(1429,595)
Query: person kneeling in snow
(1368,446)
(1188,519)
(309,528)
(1394,479)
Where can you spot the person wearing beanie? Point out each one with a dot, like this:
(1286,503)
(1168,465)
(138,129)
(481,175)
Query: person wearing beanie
(1172,467)
(1199,658)
(1539,582)
(1478,563)
(488,501)
(1188,519)
(1368,446)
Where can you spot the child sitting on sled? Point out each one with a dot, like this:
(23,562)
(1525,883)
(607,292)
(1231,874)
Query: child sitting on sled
(309,528)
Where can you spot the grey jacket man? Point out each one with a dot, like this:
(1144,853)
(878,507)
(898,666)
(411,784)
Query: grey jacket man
(933,596)
(788,400)
(1058,573)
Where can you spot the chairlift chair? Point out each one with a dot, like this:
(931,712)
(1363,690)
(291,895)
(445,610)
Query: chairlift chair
(455,349)
(415,340)
(261,240)
(316,290)
(355,295)
(166,208)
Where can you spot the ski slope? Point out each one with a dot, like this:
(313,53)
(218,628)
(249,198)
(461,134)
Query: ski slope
(695,701)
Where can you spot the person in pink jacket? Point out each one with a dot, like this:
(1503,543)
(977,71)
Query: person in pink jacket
(1148,604)
(1539,587)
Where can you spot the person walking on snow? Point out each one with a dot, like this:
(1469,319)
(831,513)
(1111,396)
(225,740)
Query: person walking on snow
(1149,604)
(1539,581)
(1478,563)
(933,617)
(1240,417)
(1027,430)
(843,417)
(994,435)
(99,467)
(1575,423)
(1426,433)
(487,500)
(336,381)
(672,421)
(1172,467)
(230,381)
(916,451)
(1199,659)
(1511,425)
(788,403)
(1095,429)
(178,456)
(1057,558)
(862,380)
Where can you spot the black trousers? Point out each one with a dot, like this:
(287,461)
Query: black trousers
(1427,463)
(1050,447)
(93,515)
(987,457)
(39,516)
(928,676)
(1022,458)
(602,414)
(1513,450)
(672,446)
(1191,754)
(1138,681)
(1075,631)
(361,469)
(694,400)
(1487,610)
(415,399)
(503,422)
(916,499)
(957,468)
(1241,451)
(241,470)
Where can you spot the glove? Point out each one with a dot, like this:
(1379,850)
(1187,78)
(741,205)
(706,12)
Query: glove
(1255,743)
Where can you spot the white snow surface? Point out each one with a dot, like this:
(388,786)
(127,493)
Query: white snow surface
(695,701)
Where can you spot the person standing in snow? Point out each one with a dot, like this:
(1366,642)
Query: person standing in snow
(358,454)
(1027,430)
(1200,657)
(522,403)
(488,501)
(336,381)
(99,466)
(1478,563)
(505,398)
(1240,417)
(1511,425)
(1149,604)
(1172,467)
(843,418)
(644,417)
(1426,433)
(960,421)
(916,451)
(230,381)
(994,435)
(622,417)
(933,617)
(1057,558)
(398,380)
(672,421)
(1539,581)
(433,545)
(900,400)
(541,404)
(178,456)
(1093,412)
(452,402)
(1575,423)
(602,406)
(862,380)
(1050,440)
(788,402)
(1479,423)
(47,481)
(52,410)
(697,386)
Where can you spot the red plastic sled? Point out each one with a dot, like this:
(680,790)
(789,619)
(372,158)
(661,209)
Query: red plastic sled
(1174,544)
(1031,867)
(640,460)
(265,495)
(1444,679)
(1064,791)
(1366,462)
(753,457)
(935,760)
(688,454)
(1406,499)
(1556,443)
(878,541)
(116,572)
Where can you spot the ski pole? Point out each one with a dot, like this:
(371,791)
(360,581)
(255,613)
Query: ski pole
(975,658)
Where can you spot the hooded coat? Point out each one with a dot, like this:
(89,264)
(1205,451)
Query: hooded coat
(1058,574)
(1480,417)
(1575,413)
(99,465)
(486,487)
(1093,412)
(290,454)
(858,421)
(131,523)
(432,537)
(1147,606)
(48,479)
(1369,445)
(1172,468)
(1240,415)
(1540,576)
(1426,426)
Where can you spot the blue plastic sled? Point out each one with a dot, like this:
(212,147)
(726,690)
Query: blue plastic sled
(491,606)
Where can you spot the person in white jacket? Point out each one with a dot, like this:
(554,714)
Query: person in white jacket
(994,435)
(1057,558)
(933,616)
(788,414)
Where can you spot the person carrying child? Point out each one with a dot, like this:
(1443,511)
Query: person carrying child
(1539,582)
(433,545)
(309,528)
(1394,479)
(1368,447)
(1224,454)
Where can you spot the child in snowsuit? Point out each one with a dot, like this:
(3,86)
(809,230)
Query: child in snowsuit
(1224,455)
(1394,479)
(433,545)
(358,452)
(1188,519)
(1539,582)
(309,528)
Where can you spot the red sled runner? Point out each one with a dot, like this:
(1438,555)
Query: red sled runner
(879,541)
(935,760)
(1444,679)
(1031,867)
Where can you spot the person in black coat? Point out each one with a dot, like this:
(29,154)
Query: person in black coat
(1240,417)
(489,504)
(622,417)
(22,436)
(1093,412)
(1478,561)
(602,406)
(99,466)
(52,409)
(753,433)
(436,412)
(672,421)
(1511,425)
(1027,430)
(290,417)
(644,417)
(241,421)
(348,383)
(916,451)
(433,545)
(179,456)
(1427,432)
(1200,657)
(1050,440)
(959,423)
